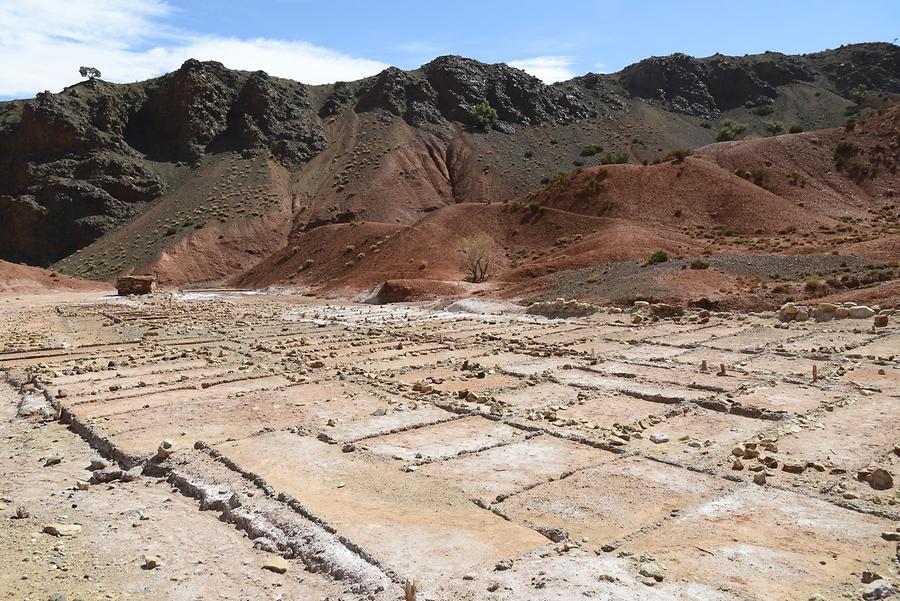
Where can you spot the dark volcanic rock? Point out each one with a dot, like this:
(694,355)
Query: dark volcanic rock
(706,87)
(73,165)
(185,111)
(276,114)
(403,95)
(462,83)
(876,66)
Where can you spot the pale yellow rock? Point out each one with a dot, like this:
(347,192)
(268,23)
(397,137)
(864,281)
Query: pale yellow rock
(62,529)
(276,564)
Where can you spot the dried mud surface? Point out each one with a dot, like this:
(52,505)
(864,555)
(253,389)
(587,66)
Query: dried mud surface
(503,456)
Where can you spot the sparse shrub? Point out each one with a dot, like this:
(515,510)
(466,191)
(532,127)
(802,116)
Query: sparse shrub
(677,213)
(858,94)
(729,129)
(678,155)
(763,110)
(591,149)
(593,184)
(483,114)
(773,127)
(534,207)
(171,231)
(476,252)
(843,152)
(306,264)
(795,129)
(659,256)
(816,287)
(529,154)
(349,249)
(699,264)
(758,176)
(592,278)
(613,158)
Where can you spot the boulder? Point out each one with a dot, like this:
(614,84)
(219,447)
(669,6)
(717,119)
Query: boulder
(861,312)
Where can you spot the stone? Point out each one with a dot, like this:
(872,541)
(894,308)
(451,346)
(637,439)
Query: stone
(277,564)
(793,468)
(164,450)
(650,569)
(879,589)
(666,310)
(55,529)
(151,562)
(98,463)
(759,478)
(54,459)
(842,313)
(880,479)
(62,393)
(881,321)
(788,311)
(869,577)
(503,565)
(658,438)
(891,536)
(861,312)
(22,513)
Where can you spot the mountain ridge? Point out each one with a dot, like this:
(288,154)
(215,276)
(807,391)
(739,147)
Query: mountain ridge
(79,166)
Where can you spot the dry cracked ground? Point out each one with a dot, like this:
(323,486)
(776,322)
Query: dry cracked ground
(336,451)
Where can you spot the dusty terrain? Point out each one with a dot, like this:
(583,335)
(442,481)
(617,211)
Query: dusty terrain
(491,455)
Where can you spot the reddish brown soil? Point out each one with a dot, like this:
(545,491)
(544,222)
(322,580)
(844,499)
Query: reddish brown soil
(15,278)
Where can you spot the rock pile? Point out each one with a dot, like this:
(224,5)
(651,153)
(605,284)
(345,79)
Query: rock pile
(560,308)
(829,311)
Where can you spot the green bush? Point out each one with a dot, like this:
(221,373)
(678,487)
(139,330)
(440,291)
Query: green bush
(483,114)
(659,256)
(699,264)
(613,158)
(773,127)
(858,94)
(729,129)
(795,129)
(591,149)
(763,110)
(676,156)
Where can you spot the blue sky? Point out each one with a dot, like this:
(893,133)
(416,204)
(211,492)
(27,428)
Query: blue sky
(317,42)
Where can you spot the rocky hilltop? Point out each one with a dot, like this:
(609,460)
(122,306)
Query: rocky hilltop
(77,165)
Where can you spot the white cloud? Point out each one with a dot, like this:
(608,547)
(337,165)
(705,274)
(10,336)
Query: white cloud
(548,69)
(43,42)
